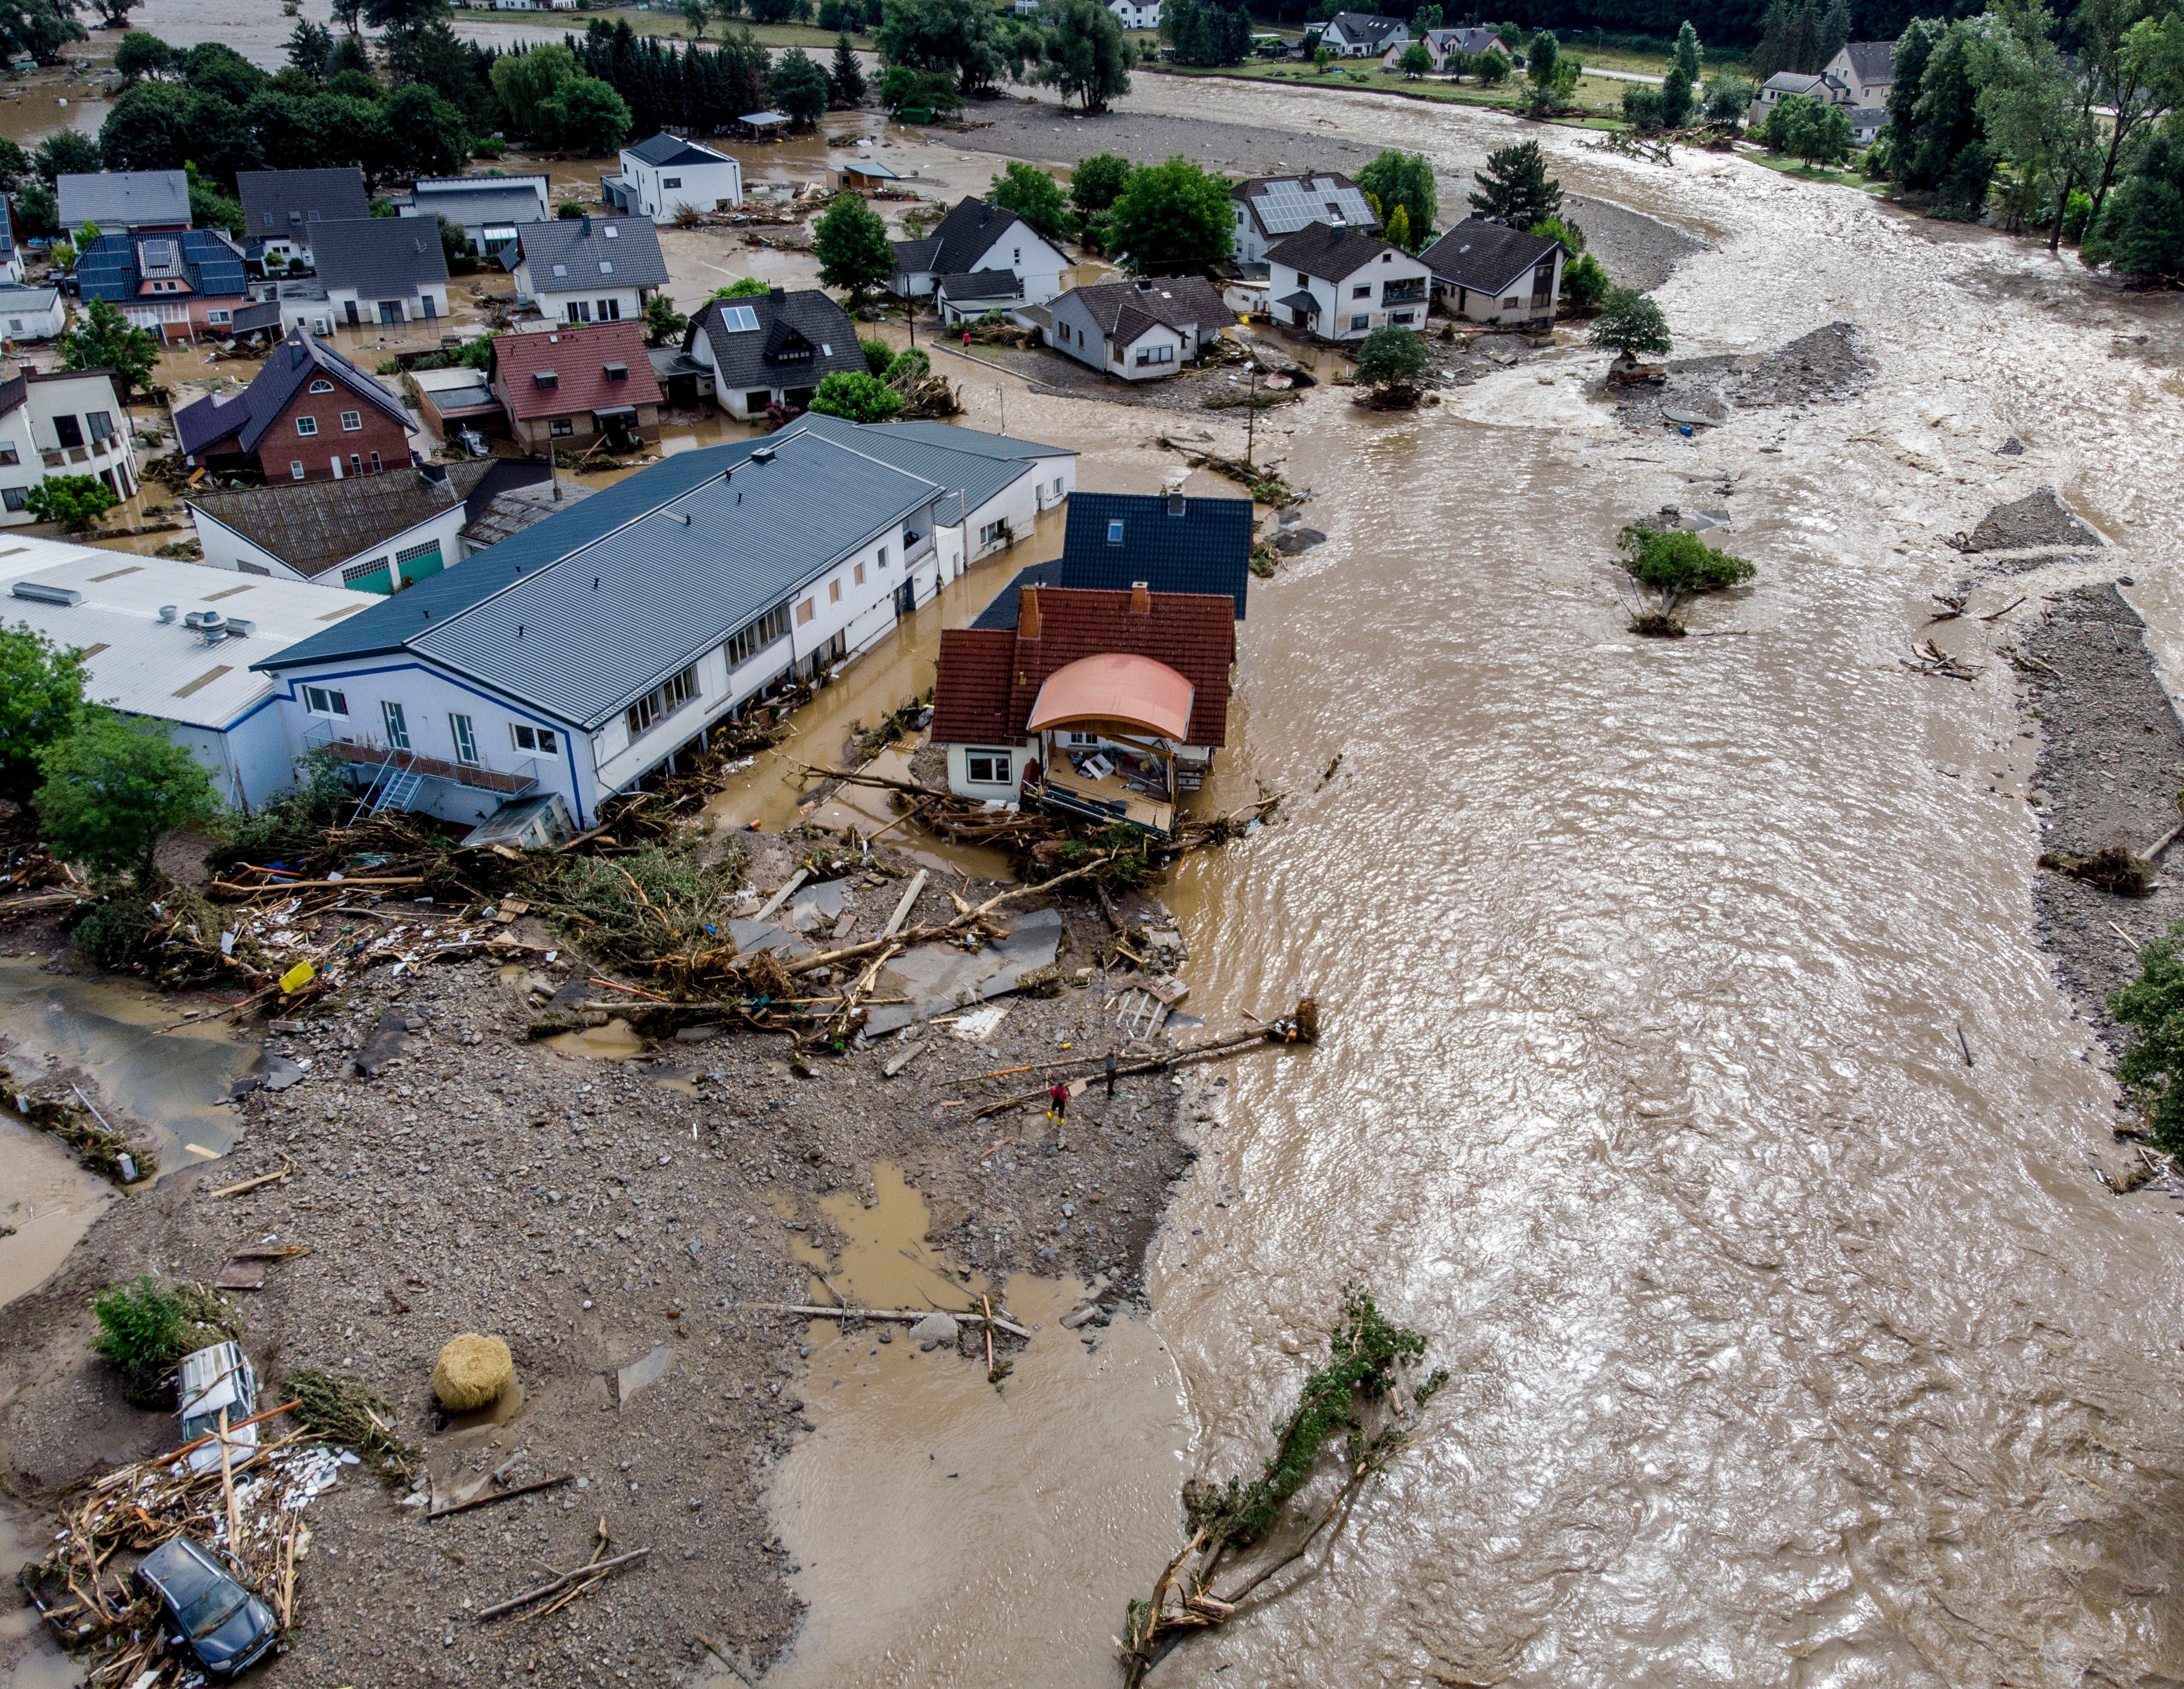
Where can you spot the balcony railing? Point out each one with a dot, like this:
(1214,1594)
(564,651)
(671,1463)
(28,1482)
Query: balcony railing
(104,446)
(1403,292)
(473,775)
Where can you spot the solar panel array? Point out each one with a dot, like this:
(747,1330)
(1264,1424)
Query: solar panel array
(1287,204)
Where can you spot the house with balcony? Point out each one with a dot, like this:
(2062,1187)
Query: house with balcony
(1269,207)
(1485,271)
(308,415)
(1340,285)
(282,210)
(567,663)
(589,269)
(1105,706)
(62,422)
(487,208)
(176,287)
(569,389)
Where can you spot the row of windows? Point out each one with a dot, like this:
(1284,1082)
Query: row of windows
(661,701)
(355,465)
(331,701)
(747,642)
(580,310)
(352,422)
(1156,355)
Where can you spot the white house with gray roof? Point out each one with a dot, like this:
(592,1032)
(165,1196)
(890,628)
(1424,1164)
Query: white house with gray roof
(381,270)
(1140,330)
(589,269)
(771,348)
(667,175)
(487,208)
(585,652)
(1361,35)
(1486,271)
(123,202)
(282,209)
(1269,208)
(1342,285)
(974,237)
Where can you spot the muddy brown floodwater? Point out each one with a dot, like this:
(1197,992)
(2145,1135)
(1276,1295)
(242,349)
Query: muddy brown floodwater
(1788,1347)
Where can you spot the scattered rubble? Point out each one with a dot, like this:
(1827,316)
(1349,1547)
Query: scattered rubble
(1827,366)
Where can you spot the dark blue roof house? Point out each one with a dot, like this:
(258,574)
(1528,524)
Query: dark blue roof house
(181,276)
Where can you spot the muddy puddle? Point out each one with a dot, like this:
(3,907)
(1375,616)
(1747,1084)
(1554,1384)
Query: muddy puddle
(29,1656)
(916,1458)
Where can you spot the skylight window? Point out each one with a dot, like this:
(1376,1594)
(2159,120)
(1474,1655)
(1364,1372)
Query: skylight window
(606,266)
(561,269)
(611,233)
(739,319)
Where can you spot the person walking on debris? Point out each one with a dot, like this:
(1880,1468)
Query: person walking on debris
(1057,1100)
(1111,1070)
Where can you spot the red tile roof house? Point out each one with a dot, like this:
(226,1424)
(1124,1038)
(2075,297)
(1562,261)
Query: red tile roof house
(565,386)
(1093,705)
(308,415)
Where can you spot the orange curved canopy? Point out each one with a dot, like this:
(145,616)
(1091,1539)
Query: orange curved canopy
(1114,687)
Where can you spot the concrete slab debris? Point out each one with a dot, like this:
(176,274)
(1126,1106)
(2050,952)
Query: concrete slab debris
(937,978)
(638,1374)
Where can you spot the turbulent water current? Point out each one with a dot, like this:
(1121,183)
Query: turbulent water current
(1693,1077)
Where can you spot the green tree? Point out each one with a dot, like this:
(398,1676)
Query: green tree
(905,88)
(1676,102)
(1689,54)
(799,87)
(966,39)
(14,166)
(748,287)
(392,15)
(526,81)
(1728,97)
(210,209)
(1515,186)
(1392,360)
(695,13)
(1088,57)
(1629,323)
(74,501)
(1416,61)
(662,321)
(214,68)
(39,28)
(139,54)
(1205,32)
(113,789)
(66,152)
(846,82)
(1397,229)
(1584,283)
(1642,107)
(1426,18)
(855,253)
(858,397)
(1823,137)
(2152,1066)
(309,47)
(103,338)
(1173,219)
(1677,565)
(1539,67)
(1322,56)
(1559,229)
(1785,118)
(879,355)
(1939,144)
(1404,178)
(1491,68)
(41,703)
(1033,196)
(2141,229)
(352,84)
(1098,181)
(430,134)
(586,116)
(2037,107)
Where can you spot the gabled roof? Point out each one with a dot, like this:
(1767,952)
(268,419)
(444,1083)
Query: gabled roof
(598,624)
(382,257)
(1193,634)
(286,204)
(312,526)
(112,266)
(1173,544)
(961,460)
(1125,309)
(981,284)
(1004,447)
(1872,61)
(1281,205)
(578,360)
(118,200)
(664,148)
(1797,82)
(536,183)
(1328,254)
(1367,27)
(961,239)
(1471,40)
(292,364)
(1485,256)
(571,254)
(748,358)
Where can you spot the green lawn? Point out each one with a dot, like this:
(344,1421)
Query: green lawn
(667,22)
(1804,172)
(1595,94)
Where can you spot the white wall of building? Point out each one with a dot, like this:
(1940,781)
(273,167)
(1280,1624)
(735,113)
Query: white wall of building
(226,549)
(347,305)
(661,191)
(34,442)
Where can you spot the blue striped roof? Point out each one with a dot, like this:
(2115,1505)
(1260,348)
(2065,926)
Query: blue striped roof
(1204,548)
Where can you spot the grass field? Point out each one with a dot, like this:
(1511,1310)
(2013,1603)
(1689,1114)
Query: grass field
(1792,167)
(1598,95)
(667,23)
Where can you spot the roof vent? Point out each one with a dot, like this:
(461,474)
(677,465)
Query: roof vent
(239,628)
(762,454)
(1175,503)
(681,516)
(39,592)
(204,620)
(435,474)
(167,614)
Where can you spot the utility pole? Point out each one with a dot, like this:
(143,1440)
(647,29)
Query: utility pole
(1001,395)
(1251,411)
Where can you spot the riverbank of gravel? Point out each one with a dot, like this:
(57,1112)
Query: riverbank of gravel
(1637,251)
(597,1206)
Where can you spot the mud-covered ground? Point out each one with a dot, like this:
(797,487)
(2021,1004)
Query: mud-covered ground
(1638,251)
(593,1212)
(1828,366)
(2111,765)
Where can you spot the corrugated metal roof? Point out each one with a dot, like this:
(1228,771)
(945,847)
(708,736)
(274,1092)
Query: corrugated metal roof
(977,475)
(313,524)
(149,667)
(583,638)
(1204,548)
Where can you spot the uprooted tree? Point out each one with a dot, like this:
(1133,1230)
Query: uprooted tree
(1673,566)
(1359,1395)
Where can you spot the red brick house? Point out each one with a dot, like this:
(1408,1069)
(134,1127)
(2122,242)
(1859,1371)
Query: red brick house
(1103,706)
(309,414)
(565,386)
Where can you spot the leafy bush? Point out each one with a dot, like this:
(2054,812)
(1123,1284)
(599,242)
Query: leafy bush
(907,370)
(113,932)
(1392,356)
(74,501)
(1677,564)
(145,1329)
(1641,108)
(855,396)
(2153,1064)
(2077,210)
(1630,324)
(1584,283)
(878,354)
(294,823)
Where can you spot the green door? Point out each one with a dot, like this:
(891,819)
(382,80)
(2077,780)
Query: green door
(420,562)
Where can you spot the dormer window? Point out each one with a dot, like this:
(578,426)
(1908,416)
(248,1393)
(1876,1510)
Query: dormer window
(617,372)
(547,378)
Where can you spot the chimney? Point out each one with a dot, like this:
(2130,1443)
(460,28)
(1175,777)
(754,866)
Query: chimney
(1175,503)
(1028,614)
(1141,600)
(588,226)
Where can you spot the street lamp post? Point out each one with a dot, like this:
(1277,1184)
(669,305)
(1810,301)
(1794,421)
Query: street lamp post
(1251,410)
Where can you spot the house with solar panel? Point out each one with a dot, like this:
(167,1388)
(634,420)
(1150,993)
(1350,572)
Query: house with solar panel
(570,662)
(588,269)
(1268,208)
(771,348)
(176,286)
(667,175)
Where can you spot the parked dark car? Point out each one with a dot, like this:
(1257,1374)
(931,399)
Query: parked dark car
(221,1624)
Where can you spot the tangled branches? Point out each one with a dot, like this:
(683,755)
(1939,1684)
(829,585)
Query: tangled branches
(662,905)
(1358,1395)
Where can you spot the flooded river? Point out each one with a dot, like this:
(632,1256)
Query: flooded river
(1789,1348)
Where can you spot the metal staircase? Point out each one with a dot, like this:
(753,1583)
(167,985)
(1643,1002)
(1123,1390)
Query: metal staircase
(391,788)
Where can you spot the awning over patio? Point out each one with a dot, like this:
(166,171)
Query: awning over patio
(1115,689)
(1298,301)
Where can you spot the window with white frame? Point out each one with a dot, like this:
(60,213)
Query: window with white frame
(9,454)
(561,427)
(398,724)
(307,425)
(671,181)
(992,532)
(662,701)
(351,422)
(295,468)
(989,767)
(465,732)
(1156,355)
(543,740)
(325,700)
(747,642)
(322,386)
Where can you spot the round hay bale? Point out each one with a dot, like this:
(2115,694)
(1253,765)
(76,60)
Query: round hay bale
(471,1372)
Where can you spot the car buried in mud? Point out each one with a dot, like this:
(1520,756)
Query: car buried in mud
(204,1611)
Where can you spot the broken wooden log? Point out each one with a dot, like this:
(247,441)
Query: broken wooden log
(598,1568)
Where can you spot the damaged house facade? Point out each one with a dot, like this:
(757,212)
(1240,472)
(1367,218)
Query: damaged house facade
(578,386)
(1097,684)
(567,663)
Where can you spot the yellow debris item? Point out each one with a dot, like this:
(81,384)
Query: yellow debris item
(471,1373)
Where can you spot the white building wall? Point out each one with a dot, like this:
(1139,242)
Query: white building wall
(663,191)
(554,305)
(27,322)
(226,549)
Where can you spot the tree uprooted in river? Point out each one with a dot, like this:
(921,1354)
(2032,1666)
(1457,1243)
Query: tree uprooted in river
(1358,1395)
